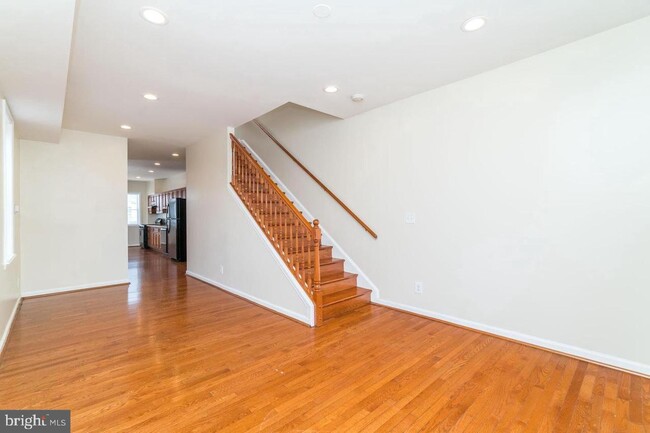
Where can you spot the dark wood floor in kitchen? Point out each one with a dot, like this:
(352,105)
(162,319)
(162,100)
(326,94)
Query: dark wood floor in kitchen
(171,354)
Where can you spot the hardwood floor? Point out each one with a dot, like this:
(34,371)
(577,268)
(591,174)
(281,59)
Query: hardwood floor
(172,354)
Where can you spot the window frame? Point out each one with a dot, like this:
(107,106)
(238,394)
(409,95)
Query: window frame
(138,209)
(8,199)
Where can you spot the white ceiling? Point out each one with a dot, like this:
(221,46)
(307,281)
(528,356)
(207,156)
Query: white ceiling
(35,38)
(139,168)
(225,62)
(144,154)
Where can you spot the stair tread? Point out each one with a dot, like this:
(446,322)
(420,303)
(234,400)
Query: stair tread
(344,295)
(327,261)
(346,306)
(335,278)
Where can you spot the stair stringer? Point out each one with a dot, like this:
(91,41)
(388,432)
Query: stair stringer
(327,239)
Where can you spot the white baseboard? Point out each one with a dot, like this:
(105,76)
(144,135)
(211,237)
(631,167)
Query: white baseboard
(588,355)
(364,281)
(253,299)
(71,288)
(10,322)
(134,245)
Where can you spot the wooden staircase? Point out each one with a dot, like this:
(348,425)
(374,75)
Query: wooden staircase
(297,240)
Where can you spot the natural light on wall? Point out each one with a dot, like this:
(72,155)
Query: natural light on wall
(8,184)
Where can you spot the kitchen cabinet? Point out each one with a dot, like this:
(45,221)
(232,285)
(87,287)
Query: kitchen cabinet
(157,203)
(156,238)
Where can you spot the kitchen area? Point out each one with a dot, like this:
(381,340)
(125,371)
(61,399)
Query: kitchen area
(157,215)
(167,234)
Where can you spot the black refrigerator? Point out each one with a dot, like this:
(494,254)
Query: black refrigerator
(176,230)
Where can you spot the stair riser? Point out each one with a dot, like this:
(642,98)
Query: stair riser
(342,295)
(337,286)
(331,268)
(325,254)
(344,307)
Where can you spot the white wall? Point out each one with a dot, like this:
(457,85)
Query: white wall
(220,233)
(73,198)
(531,188)
(142,188)
(171,183)
(10,275)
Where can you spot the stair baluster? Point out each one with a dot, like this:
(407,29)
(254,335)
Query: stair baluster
(284,225)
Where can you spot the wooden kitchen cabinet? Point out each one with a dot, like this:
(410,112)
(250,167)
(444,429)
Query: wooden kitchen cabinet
(151,204)
(154,238)
(158,203)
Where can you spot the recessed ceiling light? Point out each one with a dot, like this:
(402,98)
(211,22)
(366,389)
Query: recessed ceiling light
(150,96)
(156,163)
(175,154)
(473,24)
(154,16)
(331,89)
(322,10)
(137,177)
(151,171)
(357,97)
(125,126)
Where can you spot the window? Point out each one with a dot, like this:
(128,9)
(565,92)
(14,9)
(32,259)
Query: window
(133,208)
(8,252)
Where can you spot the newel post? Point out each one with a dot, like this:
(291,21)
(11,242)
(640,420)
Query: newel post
(318,295)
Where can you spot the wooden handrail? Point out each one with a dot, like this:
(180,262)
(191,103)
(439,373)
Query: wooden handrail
(321,184)
(270,181)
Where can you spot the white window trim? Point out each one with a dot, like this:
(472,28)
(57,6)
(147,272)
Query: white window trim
(8,199)
(139,217)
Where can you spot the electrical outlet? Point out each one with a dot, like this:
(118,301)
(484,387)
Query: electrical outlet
(409,218)
(221,269)
(419,287)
